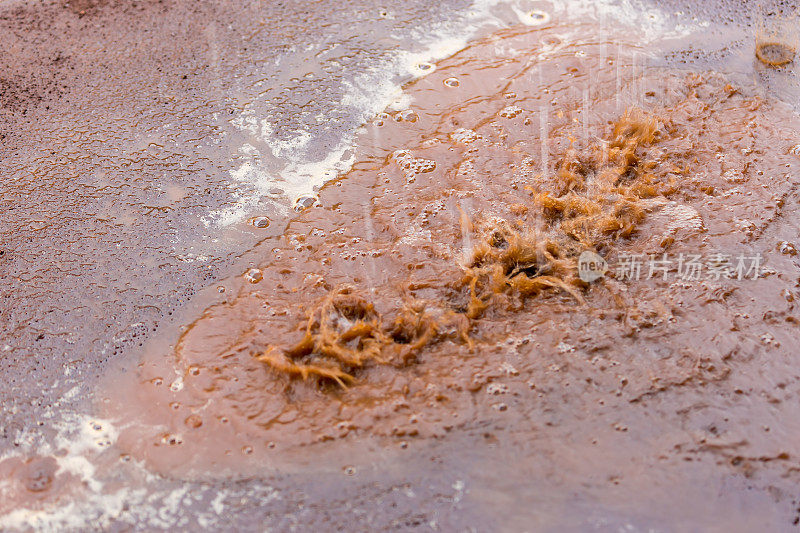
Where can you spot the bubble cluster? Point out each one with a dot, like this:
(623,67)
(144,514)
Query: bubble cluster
(510,111)
(381,119)
(787,248)
(464,136)
(412,166)
(407,115)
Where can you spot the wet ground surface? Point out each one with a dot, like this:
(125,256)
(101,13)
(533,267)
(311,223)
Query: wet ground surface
(140,292)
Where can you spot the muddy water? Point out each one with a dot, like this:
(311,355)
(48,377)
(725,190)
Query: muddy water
(552,403)
(631,387)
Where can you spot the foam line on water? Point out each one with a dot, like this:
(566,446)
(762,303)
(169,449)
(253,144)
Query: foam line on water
(301,170)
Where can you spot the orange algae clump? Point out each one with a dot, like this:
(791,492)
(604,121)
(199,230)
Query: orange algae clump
(345,332)
(592,201)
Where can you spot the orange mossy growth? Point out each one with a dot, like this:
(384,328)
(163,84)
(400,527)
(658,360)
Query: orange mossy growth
(592,201)
(513,259)
(604,192)
(342,332)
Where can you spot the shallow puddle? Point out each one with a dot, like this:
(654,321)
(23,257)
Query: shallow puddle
(435,288)
(553,286)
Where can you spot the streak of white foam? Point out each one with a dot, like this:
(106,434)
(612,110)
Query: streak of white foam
(367,94)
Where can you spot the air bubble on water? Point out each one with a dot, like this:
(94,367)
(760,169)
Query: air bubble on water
(795,150)
(535,17)
(260,222)
(220,289)
(176,385)
(305,202)
(349,470)
(551,41)
(247,450)
(425,68)
(253,275)
(451,82)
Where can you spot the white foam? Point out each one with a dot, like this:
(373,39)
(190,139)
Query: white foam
(367,94)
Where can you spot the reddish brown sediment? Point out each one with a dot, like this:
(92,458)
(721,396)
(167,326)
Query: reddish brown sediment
(446,298)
